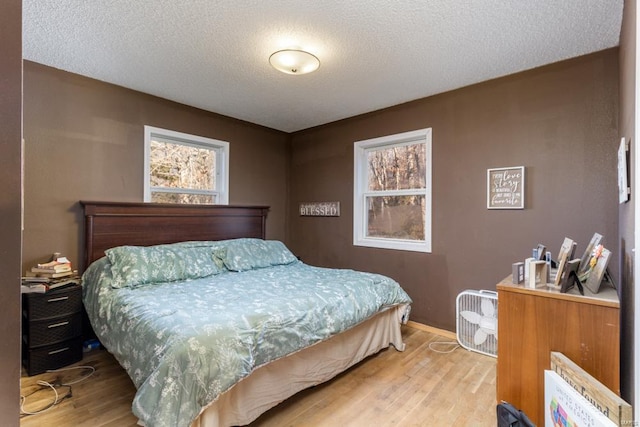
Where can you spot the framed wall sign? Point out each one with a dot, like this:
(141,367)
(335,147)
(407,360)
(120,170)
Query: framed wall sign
(505,188)
(623,188)
(320,209)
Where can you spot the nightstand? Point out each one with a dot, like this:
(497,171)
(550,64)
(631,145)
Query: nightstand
(51,329)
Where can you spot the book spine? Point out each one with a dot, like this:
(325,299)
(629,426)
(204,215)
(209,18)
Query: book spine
(57,269)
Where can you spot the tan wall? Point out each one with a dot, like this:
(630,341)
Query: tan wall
(627,210)
(84,140)
(10,233)
(559,121)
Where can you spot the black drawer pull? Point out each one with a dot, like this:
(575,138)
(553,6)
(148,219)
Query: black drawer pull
(58,351)
(58,299)
(57,325)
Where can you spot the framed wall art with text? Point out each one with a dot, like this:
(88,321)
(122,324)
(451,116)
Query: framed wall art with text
(505,188)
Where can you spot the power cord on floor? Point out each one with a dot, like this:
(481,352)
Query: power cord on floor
(452,344)
(57,398)
(90,368)
(57,384)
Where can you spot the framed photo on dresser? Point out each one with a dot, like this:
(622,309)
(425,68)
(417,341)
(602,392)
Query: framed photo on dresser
(570,278)
(586,257)
(598,272)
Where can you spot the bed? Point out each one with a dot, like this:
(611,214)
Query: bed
(231,324)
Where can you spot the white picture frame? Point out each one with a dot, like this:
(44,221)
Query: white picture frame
(623,186)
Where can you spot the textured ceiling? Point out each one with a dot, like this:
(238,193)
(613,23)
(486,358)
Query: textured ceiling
(214,55)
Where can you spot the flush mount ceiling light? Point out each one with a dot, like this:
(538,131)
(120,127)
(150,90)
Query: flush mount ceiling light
(294,61)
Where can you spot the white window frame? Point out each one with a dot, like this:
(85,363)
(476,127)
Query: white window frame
(222,162)
(360,191)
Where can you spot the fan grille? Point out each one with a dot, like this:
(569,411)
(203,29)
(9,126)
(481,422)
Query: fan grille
(477,321)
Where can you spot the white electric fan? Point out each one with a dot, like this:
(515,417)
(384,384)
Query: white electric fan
(477,321)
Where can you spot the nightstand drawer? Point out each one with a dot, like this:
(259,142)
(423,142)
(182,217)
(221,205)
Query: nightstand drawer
(50,331)
(41,359)
(51,304)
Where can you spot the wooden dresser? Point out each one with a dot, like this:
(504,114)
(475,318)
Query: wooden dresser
(534,322)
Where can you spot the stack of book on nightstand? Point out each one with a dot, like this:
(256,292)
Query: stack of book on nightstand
(48,276)
(58,267)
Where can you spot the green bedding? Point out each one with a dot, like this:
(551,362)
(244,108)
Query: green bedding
(183,343)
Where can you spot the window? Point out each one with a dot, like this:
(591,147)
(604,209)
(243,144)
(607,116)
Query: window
(183,168)
(392,192)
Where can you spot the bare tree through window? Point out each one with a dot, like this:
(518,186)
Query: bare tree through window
(397,168)
(392,191)
(183,168)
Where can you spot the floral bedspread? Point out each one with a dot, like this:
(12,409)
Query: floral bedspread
(184,343)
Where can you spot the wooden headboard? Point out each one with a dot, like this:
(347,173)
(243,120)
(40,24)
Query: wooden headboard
(111,224)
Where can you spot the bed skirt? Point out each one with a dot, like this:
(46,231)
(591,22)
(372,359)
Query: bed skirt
(271,384)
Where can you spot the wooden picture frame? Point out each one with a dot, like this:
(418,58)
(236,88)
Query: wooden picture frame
(617,410)
(505,188)
(564,255)
(567,249)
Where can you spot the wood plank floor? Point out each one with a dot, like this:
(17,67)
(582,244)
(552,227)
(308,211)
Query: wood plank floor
(417,387)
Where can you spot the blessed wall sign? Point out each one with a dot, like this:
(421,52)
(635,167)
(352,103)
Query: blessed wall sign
(320,209)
